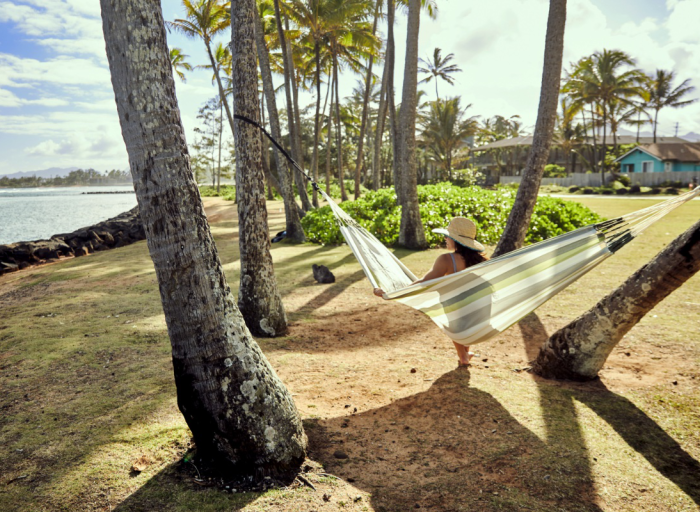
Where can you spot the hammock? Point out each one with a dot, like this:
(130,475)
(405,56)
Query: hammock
(479,302)
(482,301)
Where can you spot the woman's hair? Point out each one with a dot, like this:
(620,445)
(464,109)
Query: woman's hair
(471,257)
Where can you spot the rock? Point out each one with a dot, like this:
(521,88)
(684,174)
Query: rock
(322,274)
(124,229)
(339,454)
(413,370)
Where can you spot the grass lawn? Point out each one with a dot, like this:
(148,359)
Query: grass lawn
(87,394)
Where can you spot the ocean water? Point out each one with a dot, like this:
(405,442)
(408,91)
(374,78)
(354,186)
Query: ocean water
(38,213)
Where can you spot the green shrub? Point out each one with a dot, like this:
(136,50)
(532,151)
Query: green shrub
(655,190)
(671,190)
(588,190)
(379,214)
(554,171)
(635,189)
(622,191)
(606,191)
(616,185)
(574,189)
(625,180)
(228,192)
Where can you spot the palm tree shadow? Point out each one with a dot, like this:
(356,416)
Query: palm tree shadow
(158,493)
(638,430)
(452,447)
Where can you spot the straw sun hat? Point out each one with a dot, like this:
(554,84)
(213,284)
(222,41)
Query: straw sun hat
(462,231)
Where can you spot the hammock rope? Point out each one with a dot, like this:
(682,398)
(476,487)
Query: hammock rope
(479,302)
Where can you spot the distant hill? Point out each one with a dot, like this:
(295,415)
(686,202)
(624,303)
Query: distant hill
(692,137)
(46,173)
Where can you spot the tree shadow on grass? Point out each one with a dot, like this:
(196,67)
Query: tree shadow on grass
(638,430)
(174,489)
(452,447)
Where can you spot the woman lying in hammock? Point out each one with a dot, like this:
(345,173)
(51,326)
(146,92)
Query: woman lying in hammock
(465,251)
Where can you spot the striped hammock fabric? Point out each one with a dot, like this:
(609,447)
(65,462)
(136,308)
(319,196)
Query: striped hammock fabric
(479,302)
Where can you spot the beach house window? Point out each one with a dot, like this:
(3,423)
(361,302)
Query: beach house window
(648,166)
(668,166)
(628,168)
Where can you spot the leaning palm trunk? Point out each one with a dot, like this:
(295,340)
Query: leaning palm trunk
(411,233)
(238,410)
(395,137)
(258,297)
(222,94)
(317,122)
(579,350)
(295,231)
(329,138)
(519,218)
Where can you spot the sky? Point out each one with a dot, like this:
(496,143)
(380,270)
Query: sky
(57,106)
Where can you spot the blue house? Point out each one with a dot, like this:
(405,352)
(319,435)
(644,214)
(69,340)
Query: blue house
(661,158)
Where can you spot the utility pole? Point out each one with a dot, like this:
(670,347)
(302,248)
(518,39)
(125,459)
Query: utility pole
(676,135)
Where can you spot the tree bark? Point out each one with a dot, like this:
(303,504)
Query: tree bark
(299,179)
(258,297)
(339,134)
(218,83)
(579,350)
(288,70)
(379,133)
(395,137)
(329,138)
(238,410)
(365,109)
(317,122)
(295,232)
(411,234)
(519,219)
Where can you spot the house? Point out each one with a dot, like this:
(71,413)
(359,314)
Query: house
(661,157)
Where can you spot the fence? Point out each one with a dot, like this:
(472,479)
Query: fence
(643,179)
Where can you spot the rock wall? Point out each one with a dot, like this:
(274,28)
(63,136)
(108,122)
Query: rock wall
(124,229)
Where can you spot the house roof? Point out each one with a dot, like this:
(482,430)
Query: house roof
(687,152)
(526,140)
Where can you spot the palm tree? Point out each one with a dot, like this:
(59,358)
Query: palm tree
(411,234)
(221,375)
(222,59)
(445,130)
(662,94)
(205,19)
(602,80)
(519,218)
(438,68)
(569,133)
(258,297)
(295,232)
(178,62)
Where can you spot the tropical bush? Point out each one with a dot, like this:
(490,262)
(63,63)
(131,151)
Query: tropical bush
(554,171)
(379,214)
(228,192)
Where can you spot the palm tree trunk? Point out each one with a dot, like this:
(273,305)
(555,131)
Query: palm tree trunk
(656,121)
(295,232)
(221,133)
(519,219)
(395,138)
(218,83)
(329,138)
(291,118)
(603,167)
(258,297)
(365,108)
(411,234)
(379,133)
(339,134)
(595,140)
(579,350)
(317,121)
(220,372)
